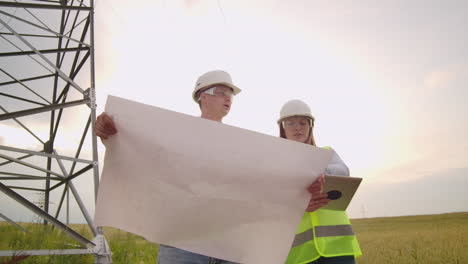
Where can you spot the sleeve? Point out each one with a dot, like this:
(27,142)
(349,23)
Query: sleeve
(337,166)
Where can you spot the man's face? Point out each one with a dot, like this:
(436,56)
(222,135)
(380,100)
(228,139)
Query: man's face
(217,101)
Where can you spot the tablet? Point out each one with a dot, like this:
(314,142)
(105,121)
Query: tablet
(340,191)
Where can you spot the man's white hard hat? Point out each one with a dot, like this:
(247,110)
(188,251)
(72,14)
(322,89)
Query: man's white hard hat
(295,108)
(212,78)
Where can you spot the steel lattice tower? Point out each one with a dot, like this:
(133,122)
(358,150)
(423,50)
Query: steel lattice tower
(47,87)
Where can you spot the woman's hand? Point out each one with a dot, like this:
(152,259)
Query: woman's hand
(318,198)
(316,202)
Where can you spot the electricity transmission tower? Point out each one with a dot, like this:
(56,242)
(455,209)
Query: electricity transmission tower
(47,111)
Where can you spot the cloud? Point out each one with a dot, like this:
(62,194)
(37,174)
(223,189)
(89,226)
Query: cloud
(19,138)
(440,192)
(443,77)
(190,3)
(428,160)
(438,79)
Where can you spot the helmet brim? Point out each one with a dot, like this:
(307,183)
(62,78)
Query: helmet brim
(288,116)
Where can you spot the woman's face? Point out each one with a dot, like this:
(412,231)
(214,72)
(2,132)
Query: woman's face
(297,128)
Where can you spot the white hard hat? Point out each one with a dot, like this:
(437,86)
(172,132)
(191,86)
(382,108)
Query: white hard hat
(211,78)
(295,108)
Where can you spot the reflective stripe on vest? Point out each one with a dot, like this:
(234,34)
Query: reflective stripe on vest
(322,231)
(336,230)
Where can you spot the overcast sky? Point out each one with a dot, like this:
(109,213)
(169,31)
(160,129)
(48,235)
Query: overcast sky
(385,80)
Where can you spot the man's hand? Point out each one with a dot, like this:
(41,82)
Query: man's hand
(104,126)
(318,198)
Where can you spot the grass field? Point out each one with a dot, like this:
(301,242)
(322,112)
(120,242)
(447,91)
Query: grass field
(441,239)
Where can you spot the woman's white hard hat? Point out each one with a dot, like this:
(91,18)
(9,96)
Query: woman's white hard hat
(295,108)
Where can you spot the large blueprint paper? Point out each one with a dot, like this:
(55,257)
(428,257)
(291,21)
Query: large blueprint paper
(204,186)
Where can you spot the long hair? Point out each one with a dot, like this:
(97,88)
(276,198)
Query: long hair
(310,140)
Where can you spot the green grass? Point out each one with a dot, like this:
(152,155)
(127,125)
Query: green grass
(42,237)
(438,239)
(129,248)
(125,247)
(427,239)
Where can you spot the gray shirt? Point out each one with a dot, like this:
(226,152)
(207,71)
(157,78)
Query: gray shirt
(336,166)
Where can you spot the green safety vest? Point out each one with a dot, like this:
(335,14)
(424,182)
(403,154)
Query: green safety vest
(326,233)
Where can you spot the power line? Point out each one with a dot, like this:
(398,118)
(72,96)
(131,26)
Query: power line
(221,10)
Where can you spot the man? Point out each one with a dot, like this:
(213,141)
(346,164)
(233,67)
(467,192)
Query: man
(214,92)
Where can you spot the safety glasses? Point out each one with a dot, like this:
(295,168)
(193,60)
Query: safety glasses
(219,92)
(296,122)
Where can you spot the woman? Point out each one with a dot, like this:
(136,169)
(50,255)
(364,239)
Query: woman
(323,236)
